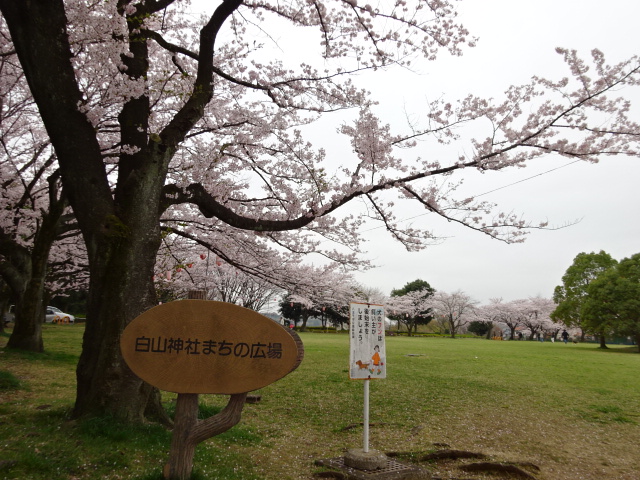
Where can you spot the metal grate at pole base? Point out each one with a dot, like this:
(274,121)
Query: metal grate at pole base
(393,471)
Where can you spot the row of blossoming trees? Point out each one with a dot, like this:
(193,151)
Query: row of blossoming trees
(599,296)
(450,312)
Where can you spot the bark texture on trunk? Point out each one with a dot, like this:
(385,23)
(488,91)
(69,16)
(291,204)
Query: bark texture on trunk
(27,329)
(118,294)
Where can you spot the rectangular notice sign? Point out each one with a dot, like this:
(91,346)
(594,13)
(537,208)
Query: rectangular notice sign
(367,354)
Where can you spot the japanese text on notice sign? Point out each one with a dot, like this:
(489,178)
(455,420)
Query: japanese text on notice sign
(367,353)
(196,346)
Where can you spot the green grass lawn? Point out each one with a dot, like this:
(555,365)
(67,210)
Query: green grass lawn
(572,410)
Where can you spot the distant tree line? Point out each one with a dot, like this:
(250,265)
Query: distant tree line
(601,296)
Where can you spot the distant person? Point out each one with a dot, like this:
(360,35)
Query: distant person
(565,336)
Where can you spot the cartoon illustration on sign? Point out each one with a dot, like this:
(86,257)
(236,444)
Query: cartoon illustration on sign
(377,361)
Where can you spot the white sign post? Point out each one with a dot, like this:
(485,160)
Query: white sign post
(367,353)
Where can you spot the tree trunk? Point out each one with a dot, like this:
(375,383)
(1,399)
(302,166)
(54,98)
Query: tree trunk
(188,431)
(602,339)
(27,329)
(582,335)
(303,328)
(32,270)
(488,334)
(117,295)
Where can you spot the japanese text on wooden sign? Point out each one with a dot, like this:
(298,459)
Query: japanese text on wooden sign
(367,353)
(197,346)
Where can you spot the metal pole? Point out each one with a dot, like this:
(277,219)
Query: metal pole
(366,417)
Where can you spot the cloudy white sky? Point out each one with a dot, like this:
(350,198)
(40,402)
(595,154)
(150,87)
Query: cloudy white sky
(518,40)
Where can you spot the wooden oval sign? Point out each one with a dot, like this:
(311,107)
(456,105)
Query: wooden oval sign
(201,346)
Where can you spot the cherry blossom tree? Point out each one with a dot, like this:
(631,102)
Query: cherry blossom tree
(34,208)
(32,265)
(67,266)
(505,313)
(411,305)
(24,251)
(155,114)
(296,311)
(530,314)
(534,315)
(372,295)
(183,266)
(455,309)
(486,315)
(326,291)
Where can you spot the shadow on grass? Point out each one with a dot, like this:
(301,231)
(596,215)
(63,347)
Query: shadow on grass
(49,356)
(8,381)
(618,349)
(110,430)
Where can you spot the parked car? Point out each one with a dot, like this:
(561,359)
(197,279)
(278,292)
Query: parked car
(55,315)
(52,315)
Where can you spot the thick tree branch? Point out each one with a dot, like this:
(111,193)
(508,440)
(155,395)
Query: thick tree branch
(193,109)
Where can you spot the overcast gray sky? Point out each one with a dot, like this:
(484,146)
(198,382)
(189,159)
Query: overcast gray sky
(518,40)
